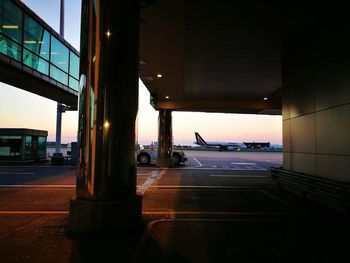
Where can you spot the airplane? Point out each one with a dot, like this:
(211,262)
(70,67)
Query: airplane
(222,146)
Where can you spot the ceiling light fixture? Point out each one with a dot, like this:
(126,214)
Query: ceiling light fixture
(108,33)
(167,97)
(10,26)
(29,42)
(265,98)
(106,124)
(159,75)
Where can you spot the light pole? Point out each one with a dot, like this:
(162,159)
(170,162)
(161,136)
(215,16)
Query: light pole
(60,107)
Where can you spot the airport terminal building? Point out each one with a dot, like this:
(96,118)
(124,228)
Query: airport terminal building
(22,144)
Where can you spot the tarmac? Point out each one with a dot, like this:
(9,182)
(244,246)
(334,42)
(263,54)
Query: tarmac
(314,235)
(249,223)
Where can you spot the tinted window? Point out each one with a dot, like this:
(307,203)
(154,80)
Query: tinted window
(36,39)
(58,75)
(11,18)
(74,65)
(59,54)
(35,62)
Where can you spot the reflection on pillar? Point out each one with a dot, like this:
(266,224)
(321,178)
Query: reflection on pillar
(165,139)
(106,176)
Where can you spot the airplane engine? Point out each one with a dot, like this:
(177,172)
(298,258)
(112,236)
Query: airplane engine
(229,148)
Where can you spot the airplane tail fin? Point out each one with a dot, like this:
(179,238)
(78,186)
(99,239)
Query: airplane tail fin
(200,140)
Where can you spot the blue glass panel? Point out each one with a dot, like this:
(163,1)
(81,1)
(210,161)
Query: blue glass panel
(59,54)
(28,147)
(36,39)
(58,75)
(73,83)
(35,62)
(74,65)
(41,147)
(10,48)
(10,146)
(11,18)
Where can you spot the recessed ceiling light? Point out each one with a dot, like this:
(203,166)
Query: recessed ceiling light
(167,97)
(106,124)
(108,33)
(159,75)
(265,98)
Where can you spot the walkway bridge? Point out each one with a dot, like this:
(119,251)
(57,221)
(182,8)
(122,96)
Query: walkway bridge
(34,57)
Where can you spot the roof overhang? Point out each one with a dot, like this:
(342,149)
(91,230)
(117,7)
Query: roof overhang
(222,56)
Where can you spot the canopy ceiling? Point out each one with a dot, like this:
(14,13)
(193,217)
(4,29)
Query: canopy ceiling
(214,56)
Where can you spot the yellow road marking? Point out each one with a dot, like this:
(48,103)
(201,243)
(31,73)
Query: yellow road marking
(150,213)
(211,213)
(33,212)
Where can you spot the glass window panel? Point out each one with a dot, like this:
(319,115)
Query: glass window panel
(35,62)
(10,147)
(11,18)
(74,65)
(36,39)
(10,48)
(58,75)
(41,147)
(28,147)
(73,83)
(59,54)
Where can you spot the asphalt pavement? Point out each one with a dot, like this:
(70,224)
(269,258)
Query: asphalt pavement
(218,207)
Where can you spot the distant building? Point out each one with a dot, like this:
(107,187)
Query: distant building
(53,145)
(22,144)
(257,145)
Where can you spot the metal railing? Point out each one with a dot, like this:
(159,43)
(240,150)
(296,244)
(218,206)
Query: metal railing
(333,193)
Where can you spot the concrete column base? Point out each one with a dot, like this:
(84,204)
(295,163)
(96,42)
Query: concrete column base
(88,216)
(165,162)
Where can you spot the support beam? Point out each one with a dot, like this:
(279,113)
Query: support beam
(59,105)
(58,127)
(165,139)
(106,199)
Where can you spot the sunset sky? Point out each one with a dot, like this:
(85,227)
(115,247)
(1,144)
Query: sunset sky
(21,109)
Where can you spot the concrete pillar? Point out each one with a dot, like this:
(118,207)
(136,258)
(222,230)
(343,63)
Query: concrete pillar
(106,198)
(165,139)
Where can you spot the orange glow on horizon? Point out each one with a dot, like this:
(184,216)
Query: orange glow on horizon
(21,109)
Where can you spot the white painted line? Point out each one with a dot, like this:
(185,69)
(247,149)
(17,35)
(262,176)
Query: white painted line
(37,186)
(221,169)
(33,166)
(16,173)
(244,163)
(207,168)
(244,169)
(238,176)
(201,187)
(199,163)
(154,176)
